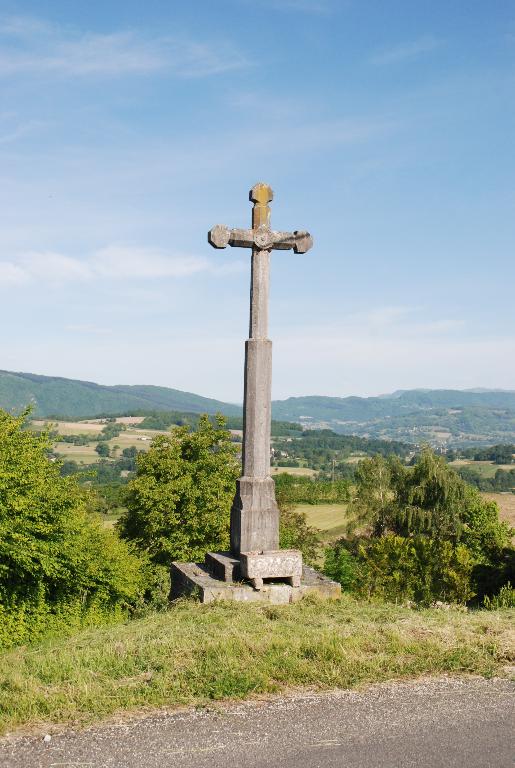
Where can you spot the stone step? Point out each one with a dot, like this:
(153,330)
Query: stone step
(223,566)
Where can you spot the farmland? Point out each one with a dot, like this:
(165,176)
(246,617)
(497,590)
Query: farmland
(329,518)
(132,436)
(484,468)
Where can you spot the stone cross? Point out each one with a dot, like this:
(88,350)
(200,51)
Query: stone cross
(254,514)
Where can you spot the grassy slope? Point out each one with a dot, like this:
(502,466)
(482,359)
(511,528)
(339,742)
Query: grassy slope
(194,654)
(330,518)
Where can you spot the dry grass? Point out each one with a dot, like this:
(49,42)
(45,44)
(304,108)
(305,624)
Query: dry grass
(484,468)
(506,502)
(72,427)
(303,471)
(194,654)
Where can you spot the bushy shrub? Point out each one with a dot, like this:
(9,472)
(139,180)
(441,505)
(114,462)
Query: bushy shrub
(424,534)
(295,533)
(178,505)
(342,566)
(398,568)
(58,565)
(505,599)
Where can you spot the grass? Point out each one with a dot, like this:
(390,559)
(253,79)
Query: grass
(506,502)
(486,469)
(303,471)
(195,654)
(330,518)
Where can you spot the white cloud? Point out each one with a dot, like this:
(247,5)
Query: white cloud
(34,47)
(407,51)
(114,262)
(11,274)
(126,263)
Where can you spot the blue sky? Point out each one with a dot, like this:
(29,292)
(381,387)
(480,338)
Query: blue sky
(128,129)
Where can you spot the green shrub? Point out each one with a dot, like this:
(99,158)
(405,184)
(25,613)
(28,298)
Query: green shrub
(342,566)
(505,599)
(439,532)
(295,533)
(178,505)
(58,565)
(397,568)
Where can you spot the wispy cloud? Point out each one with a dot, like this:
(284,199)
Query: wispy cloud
(12,129)
(115,262)
(406,51)
(32,46)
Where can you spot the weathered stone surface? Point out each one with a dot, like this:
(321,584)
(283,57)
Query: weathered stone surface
(255,553)
(254,515)
(195,579)
(219,236)
(223,566)
(278,563)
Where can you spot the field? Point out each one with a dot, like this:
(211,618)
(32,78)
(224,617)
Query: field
(303,471)
(506,502)
(484,468)
(330,518)
(194,654)
(132,436)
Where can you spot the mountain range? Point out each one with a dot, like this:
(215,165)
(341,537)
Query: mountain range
(436,416)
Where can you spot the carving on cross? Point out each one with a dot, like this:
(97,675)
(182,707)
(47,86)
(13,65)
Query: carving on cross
(261,236)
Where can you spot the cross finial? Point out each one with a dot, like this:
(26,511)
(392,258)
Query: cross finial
(261,194)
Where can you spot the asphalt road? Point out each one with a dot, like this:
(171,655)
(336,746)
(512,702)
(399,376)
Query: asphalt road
(432,723)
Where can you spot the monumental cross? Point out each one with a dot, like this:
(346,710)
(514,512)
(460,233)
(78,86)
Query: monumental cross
(255,556)
(254,514)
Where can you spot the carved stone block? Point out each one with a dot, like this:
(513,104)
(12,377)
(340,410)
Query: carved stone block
(270,564)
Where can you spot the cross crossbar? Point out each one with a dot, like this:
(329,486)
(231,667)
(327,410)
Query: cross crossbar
(261,236)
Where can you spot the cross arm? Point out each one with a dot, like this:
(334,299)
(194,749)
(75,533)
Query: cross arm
(220,237)
(262,238)
(300,241)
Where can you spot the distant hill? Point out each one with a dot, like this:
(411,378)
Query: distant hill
(51,396)
(440,417)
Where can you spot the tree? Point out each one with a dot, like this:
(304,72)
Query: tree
(102,449)
(373,506)
(178,505)
(55,559)
(431,498)
(423,534)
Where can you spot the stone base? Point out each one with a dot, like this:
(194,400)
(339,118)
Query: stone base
(272,564)
(198,580)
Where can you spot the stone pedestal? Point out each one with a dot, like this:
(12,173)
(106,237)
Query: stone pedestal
(220,578)
(254,516)
(273,564)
